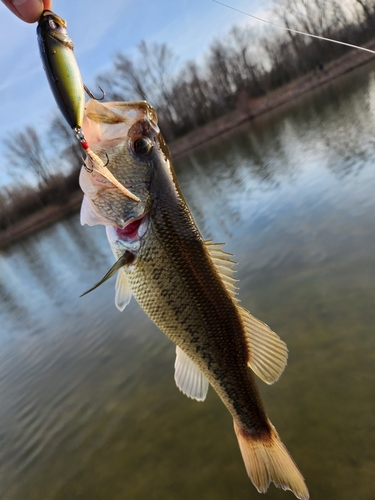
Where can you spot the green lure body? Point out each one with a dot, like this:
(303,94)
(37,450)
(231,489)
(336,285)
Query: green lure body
(60,65)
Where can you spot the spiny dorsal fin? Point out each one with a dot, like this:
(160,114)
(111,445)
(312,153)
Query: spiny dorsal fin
(268,354)
(224,265)
(123,291)
(188,377)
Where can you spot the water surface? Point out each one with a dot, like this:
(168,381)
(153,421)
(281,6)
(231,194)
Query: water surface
(89,409)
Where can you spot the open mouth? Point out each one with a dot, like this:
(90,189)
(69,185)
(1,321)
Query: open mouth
(134,230)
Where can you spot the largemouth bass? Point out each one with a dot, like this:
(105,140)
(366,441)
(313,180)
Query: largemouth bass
(184,284)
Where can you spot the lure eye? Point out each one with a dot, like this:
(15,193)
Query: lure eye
(142,146)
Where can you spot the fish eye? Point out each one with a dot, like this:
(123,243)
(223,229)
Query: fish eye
(52,24)
(142,146)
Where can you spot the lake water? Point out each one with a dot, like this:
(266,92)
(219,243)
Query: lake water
(89,409)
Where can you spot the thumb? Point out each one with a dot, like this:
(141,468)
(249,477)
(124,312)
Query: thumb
(28,10)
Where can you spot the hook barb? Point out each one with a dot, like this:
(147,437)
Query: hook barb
(88,169)
(90,94)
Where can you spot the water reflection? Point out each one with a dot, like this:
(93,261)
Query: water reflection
(88,404)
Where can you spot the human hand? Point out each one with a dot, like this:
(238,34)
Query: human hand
(28,10)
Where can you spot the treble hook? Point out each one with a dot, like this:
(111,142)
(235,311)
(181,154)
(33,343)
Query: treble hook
(90,94)
(106,163)
(90,170)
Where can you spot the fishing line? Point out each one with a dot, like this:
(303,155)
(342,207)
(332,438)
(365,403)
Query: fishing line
(295,31)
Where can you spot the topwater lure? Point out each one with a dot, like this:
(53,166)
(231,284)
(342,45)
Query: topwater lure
(64,78)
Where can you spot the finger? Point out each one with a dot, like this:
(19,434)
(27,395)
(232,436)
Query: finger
(28,10)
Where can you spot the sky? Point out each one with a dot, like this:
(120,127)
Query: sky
(99,30)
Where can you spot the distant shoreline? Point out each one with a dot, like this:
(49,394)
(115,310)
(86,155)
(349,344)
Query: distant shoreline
(249,109)
(246,110)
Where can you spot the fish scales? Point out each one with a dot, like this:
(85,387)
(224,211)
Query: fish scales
(184,284)
(187,300)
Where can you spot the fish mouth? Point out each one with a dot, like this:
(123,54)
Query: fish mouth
(134,229)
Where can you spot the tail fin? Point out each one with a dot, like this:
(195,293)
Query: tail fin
(269,461)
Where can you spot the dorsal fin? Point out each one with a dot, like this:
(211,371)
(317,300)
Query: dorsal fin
(224,265)
(268,354)
(188,377)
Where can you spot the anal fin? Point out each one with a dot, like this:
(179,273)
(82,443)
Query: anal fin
(188,377)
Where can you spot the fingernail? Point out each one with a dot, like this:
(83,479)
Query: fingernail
(28,10)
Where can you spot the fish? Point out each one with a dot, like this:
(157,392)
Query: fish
(185,284)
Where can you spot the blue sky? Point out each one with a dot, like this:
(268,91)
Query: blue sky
(100,29)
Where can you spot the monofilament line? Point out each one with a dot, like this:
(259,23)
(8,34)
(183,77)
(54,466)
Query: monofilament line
(295,31)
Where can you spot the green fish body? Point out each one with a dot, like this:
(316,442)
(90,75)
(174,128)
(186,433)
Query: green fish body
(185,284)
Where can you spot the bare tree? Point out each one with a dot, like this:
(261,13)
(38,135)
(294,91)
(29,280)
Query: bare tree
(368,8)
(220,76)
(149,78)
(244,60)
(191,99)
(126,81)
(25,151)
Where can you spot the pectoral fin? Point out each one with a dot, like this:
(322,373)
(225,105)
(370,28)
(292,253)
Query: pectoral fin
(188,377)
(123,291)
(124,260)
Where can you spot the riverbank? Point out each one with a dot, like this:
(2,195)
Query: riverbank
(41,219)
(246,110)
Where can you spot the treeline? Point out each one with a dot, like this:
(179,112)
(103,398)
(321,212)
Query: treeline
(55,175)
(245,63)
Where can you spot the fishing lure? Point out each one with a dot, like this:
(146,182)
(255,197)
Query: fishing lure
(65,81)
